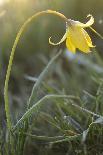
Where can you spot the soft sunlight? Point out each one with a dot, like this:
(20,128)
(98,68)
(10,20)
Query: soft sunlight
(3,2)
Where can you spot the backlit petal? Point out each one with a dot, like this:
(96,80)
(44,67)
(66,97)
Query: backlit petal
(89,41)
(70,45)
(63,39)
(78,39)
(88,24)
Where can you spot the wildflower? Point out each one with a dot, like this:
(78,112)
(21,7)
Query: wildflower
(76,36)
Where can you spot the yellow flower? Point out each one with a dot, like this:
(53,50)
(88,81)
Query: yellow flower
(76,36)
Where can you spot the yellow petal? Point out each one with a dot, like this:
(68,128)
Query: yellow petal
(70,46)
(78,39)
(89,41)
(88,24)
(63,39)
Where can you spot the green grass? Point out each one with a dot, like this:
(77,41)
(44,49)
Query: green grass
(63,114)
(59,122)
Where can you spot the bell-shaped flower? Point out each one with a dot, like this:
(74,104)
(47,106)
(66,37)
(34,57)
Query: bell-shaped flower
(76,37)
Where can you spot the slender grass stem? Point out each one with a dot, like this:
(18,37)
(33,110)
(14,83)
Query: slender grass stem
(98,34)
(40,79)
(35,107)
(55,139)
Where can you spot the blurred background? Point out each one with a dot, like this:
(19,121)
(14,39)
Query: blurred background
(71,74)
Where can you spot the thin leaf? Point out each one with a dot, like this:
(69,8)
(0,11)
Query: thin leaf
(35,107)
(41,78)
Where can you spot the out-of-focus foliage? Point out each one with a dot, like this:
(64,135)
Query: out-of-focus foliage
(79,75)
(37,33)
(35,39)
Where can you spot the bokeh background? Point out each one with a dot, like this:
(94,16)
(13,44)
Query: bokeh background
(70,74)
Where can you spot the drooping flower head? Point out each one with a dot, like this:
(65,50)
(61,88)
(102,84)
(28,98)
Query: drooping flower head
(76,37)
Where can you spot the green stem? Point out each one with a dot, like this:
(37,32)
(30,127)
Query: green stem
(98,34)
(19,34)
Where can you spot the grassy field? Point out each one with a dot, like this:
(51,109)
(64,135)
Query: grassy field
(51,100)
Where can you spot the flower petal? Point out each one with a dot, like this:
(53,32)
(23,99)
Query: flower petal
(78,39)
(89,41)
(88,24)
(63,39)
(70,45)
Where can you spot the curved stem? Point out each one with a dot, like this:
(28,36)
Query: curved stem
(19,34)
